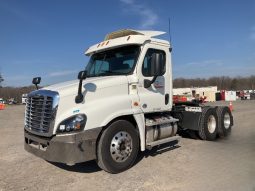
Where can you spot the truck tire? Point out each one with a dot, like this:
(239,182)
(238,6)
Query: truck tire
(208,127)
(225,120)
(118,147)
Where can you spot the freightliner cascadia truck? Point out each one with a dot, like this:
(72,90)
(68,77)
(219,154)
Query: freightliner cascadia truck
(120,104)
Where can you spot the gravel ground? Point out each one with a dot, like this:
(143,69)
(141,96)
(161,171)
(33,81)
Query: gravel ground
(226,164)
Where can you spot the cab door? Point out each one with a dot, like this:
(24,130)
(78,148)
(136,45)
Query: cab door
(155,98)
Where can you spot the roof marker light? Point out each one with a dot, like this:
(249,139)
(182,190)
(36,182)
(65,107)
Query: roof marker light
(98,45)
(128,38)
(107,42)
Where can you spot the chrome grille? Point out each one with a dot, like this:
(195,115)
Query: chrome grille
(40,111)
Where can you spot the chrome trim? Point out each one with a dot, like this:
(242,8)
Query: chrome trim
(121,146)
(42,130)
(211,124)
(227,120)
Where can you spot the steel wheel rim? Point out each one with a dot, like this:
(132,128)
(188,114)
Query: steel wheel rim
(121,146)
(211,124)
(226,120)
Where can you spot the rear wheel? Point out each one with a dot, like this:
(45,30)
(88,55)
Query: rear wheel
(208,124)
(118,147)
(225,120)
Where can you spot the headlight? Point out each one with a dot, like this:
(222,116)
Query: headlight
(74,123)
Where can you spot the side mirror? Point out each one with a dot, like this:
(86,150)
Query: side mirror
(157,68)
(157,64)
(81,76)
(36,81)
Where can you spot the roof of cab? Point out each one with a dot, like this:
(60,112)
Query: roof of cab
(125,37)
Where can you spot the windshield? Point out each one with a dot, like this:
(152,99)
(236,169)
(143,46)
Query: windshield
(119,61)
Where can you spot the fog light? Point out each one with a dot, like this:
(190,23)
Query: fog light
(62,127)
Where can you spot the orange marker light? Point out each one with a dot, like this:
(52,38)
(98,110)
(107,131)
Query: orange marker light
(78,126)
(136,103)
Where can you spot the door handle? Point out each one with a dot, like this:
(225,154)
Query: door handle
(166,99)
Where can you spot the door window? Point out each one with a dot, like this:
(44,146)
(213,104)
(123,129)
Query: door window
(147,61)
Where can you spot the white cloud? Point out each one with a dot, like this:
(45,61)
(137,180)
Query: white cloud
(17,80)
(18,77)
(148,17)
(205,63)
(62,73)
(20,80)
(209,68)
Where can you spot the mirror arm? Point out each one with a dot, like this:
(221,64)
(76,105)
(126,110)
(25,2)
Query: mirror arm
(153,79)
(147,83)
(81,76)
(79,97)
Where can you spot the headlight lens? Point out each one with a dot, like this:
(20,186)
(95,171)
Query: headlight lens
(74,123)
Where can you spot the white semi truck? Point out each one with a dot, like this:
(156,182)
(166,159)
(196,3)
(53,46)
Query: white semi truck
(123,106)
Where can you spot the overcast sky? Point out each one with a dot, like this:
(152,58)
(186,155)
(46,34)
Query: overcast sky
(48,38)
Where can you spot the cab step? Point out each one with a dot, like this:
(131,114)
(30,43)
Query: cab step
(162,141)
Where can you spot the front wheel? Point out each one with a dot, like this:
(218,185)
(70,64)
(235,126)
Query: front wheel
(118,147)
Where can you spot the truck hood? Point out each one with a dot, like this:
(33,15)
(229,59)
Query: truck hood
(91,84)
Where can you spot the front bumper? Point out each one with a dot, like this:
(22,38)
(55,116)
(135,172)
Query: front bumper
(68,148)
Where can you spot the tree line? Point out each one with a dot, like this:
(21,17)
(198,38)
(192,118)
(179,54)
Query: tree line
(15,92)
(223,82)
(1,80)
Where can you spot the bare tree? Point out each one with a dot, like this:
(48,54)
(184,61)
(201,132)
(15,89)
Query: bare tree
(222,82)
(1,80)
(16,93)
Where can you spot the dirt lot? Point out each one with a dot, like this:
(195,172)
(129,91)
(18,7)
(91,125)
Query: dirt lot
(226,164)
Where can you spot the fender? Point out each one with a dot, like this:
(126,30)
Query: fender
(140,122)
(139,118)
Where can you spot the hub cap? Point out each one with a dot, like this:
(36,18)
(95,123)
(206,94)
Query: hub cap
(226,120)
(211,124)
(121,146)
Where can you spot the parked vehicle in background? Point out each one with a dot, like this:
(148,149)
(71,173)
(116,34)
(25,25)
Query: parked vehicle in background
(252,95)
(230,95)
(124,105)
(24,98)
(12,101)
(2,101)
(244,95)
(2,104)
